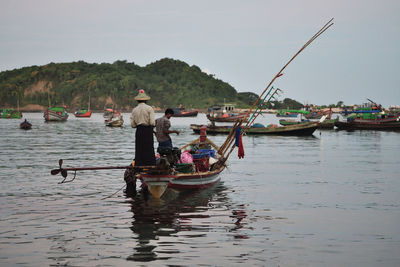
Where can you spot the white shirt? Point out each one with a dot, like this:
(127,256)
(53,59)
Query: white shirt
(142,114)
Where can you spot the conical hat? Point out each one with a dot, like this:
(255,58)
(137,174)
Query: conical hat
(142,95)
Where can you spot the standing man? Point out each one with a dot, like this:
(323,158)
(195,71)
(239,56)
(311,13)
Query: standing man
(142,119)
(162,129)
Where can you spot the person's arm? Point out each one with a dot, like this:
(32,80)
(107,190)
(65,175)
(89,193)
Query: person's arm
(166,128)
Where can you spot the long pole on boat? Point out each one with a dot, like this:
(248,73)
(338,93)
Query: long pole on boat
(64,171)
(315,36)
(229,140)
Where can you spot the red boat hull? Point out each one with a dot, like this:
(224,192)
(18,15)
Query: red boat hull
(83,115)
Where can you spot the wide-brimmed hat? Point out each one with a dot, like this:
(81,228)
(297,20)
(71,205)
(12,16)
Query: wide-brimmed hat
(142,95)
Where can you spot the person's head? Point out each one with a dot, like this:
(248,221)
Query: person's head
(169,112)
(142,97)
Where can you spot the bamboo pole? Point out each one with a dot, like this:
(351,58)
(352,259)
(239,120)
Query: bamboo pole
(315,36)
(228,142)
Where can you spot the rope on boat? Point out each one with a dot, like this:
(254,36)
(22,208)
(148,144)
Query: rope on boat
(114,192)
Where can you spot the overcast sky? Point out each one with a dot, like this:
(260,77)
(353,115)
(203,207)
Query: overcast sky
(244,43)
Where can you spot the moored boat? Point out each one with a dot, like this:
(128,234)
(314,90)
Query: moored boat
(369,125)
(10,113)
(83,113)
(55,114)
(225,113)
(108,112)
(181,112)
(290,112)
(326,124)
(302,129)
(115,121)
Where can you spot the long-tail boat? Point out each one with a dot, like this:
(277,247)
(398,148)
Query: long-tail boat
(158,178)
(10,113)
(55,114)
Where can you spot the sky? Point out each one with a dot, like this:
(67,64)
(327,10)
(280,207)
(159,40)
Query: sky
(243,43)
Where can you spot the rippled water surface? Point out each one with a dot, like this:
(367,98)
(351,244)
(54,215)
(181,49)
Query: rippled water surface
(332,199)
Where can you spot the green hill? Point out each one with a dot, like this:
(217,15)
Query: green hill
(169,82)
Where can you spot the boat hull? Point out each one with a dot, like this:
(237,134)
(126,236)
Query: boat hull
(388,126)
(158,183)
(54,116)
(114,123)
(326,124)
(303,129)
(186,114)
(83,115)
(25,125)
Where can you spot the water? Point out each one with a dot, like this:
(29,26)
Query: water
(328,200)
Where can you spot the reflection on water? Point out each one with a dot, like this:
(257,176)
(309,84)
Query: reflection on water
(178,211)
(332,199)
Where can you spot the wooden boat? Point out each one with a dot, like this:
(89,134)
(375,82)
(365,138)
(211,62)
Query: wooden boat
(10,113)
(114,121)
(286,122)
(181,112)
(302,129)
(55,114)
(369,125)
(225,113)
(317,114)
(201,175)
(25,125)
(326,124)
(83,113)
(158,183)
(227,117)
(290,112)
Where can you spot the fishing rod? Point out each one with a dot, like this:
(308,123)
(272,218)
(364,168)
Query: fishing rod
(64,171)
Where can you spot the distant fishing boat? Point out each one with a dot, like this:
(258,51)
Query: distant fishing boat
(326,124)
(370,107)
(369,121)
(25,125)
(55,114)
(181,112)
(372,125)
(10,113)
(225,113)
(290,112)
(108,112)
(114,121)
(83,113)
